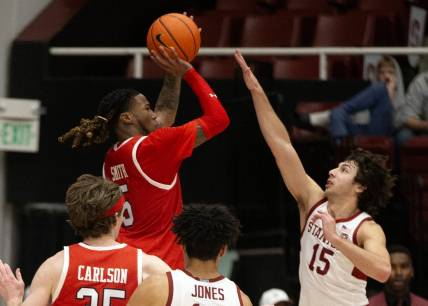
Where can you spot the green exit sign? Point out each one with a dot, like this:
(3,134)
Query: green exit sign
(19,125)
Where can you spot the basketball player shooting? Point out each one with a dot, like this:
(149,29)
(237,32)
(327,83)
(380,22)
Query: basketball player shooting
(341,244)
(148,154)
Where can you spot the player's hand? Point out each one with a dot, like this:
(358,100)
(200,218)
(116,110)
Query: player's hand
(250,80)
(191,17)
(11,286)
(328,225)
(168,60)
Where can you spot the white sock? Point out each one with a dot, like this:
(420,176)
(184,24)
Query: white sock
(320,118)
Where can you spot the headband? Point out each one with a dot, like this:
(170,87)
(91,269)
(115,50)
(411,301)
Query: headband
(102,118)
(117,207)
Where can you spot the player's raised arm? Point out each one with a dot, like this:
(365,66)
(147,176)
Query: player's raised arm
(168,99)
(302,187)
(214,119)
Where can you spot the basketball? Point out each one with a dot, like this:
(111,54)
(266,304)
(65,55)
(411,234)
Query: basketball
(177,31)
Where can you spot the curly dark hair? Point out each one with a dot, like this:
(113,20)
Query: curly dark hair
(375,177)
(97,129)
(204,229)
(87,199)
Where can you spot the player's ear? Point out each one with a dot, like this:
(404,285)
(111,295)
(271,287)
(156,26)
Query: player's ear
(126,117)
(223,251)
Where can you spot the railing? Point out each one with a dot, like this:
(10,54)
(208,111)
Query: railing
(322,53)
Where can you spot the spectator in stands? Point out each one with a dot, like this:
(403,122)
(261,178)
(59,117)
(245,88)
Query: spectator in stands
(373,111)
(276,297)
(397,288)
(415,109)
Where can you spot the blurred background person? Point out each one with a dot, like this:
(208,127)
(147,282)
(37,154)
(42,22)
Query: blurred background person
(276,297)
(397,289)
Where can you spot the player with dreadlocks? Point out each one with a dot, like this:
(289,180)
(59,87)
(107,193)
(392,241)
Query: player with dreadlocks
(146,159)
(206,232)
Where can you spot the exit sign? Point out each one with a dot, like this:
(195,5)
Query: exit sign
(19,125)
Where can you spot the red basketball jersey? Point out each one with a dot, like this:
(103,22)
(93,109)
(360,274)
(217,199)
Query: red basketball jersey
(146,169)
(98,275)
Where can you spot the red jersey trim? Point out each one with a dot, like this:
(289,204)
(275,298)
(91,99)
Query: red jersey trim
(356,272)
(212,280)
(118,145)
(63,276)
(139,266)
(102,248)
(317,204)
(170,288)
(239,295)
(341,220)
(354,236)
(144,175)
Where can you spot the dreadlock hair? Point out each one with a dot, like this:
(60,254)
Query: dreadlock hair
(375,177)
(87,200)
(97,129)
(204,229)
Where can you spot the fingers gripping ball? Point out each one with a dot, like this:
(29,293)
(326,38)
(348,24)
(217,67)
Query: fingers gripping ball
(175,30)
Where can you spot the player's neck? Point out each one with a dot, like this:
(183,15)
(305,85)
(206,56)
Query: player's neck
(105,240)
(342,208)
(123,133)
(203,269)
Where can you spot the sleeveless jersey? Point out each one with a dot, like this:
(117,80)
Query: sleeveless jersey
(145,168)
(186,290)
(328,277)
(98,275)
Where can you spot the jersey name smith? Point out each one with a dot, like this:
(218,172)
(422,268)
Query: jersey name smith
(118,172)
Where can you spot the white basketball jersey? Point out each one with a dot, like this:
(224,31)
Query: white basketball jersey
(327,277)
(186,290)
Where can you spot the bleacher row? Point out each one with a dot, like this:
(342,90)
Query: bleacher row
(295,23)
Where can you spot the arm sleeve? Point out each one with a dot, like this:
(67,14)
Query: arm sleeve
(214,119)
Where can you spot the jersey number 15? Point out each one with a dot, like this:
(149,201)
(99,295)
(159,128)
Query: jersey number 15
(323,265)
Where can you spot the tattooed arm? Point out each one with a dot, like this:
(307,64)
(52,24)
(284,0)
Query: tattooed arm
(175,68)
(167,103)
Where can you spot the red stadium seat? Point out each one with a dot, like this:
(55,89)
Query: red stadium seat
(333,30)
(396,5)
(217,68)
(304,68)
(268,31)
(316,5)
(377,144)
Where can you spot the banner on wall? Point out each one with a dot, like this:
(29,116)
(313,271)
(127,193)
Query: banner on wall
(416,32)
(370,67)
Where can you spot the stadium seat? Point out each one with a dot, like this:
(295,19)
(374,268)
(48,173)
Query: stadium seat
(239,5)
(217,68)
(377,144)
(383,29)
(318,5)
(414,156)
(396,5)
(268,31)
(333,30)
(215,29)
(304,68)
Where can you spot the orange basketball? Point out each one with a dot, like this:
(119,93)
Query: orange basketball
(175,30)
